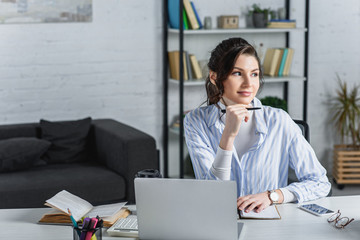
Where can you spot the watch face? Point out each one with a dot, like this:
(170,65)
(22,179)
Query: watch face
(274,196)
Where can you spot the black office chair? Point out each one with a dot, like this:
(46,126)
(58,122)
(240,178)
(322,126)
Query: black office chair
(304,128)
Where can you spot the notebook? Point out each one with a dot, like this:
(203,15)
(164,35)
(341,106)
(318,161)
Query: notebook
(186,209)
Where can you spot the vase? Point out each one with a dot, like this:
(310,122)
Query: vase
(259,20)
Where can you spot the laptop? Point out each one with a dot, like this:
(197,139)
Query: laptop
(186,209)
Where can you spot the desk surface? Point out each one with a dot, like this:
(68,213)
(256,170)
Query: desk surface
(298,224)
(295,223)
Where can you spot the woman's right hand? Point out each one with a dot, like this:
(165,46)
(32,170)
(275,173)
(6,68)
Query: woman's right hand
(235,114)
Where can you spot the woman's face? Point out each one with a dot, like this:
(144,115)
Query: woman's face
(243,82)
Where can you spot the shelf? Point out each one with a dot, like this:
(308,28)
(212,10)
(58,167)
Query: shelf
(194,82)
(238,30)
(290,78)
(267,79)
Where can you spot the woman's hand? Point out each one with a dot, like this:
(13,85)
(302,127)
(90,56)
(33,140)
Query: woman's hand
(235,114)
(256,202)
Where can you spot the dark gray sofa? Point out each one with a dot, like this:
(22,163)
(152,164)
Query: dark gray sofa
(117,152)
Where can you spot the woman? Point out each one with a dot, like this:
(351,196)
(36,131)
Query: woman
(226,141)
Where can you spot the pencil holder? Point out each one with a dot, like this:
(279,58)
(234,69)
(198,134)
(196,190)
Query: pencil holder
(84,234)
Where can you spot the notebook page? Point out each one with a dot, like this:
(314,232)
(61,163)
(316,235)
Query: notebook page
(270,212)
(64,200)
(106,210)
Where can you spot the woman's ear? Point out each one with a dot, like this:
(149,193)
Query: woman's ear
(212,76)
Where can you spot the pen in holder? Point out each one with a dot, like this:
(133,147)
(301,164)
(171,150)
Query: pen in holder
(80,233)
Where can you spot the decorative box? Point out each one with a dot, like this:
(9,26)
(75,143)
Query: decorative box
(228,21)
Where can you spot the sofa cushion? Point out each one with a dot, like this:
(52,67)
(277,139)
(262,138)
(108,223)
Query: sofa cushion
(89,180)
(21,153)
(68,140)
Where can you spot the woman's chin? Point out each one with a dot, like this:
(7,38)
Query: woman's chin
(245,101)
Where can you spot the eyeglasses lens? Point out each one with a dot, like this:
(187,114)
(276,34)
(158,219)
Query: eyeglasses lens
(333,217)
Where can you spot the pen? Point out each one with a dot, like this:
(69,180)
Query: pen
(91,229)
(85,228)
(74,222)
(249,109)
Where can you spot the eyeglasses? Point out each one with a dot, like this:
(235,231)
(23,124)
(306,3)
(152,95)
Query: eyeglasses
(340,222)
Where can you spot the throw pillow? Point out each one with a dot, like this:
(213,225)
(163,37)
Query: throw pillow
(21,153)
(68,140)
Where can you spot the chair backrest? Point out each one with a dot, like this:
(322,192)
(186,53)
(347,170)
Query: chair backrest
(304,128)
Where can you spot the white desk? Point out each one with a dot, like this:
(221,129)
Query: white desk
(298,224)
(295,224)
(22,224)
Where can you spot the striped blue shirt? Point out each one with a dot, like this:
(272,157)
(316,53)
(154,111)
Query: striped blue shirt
(265,165)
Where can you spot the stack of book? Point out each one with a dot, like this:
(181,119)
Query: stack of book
(277,61)
(191,65)
(276,23)
(191,19)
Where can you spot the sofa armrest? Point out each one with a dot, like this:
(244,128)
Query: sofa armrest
(125,150)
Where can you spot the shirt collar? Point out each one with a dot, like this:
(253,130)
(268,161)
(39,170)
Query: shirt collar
(214,114)
(260,125)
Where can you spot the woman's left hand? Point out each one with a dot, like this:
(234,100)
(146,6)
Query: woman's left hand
(256,202)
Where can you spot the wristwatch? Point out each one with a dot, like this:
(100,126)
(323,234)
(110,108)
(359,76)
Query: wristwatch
(273,196)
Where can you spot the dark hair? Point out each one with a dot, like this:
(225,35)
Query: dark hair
(222,61)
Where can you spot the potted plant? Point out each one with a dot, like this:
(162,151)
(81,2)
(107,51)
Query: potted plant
(259,16)
(345,108)
(274,102)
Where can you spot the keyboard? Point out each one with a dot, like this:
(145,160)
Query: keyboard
(125,227)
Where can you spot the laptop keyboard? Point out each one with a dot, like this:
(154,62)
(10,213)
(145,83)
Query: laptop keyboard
(126,224)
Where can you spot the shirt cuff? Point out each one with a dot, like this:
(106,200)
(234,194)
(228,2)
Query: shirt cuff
(222,158)
(288,196)
(221,166)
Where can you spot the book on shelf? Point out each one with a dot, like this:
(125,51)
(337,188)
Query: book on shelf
(197,15)
(174,65)
(186,21)
(188,66)
(267,60)
(277,61)
(275,23)
(282,63)
(173,12)
(271,60)
(190,18)
(186,74)
(79,208)
(195,67)
(191,15)
(288,62)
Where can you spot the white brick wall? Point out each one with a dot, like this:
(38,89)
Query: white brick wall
(109,68)
(112,66)
(334,48)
